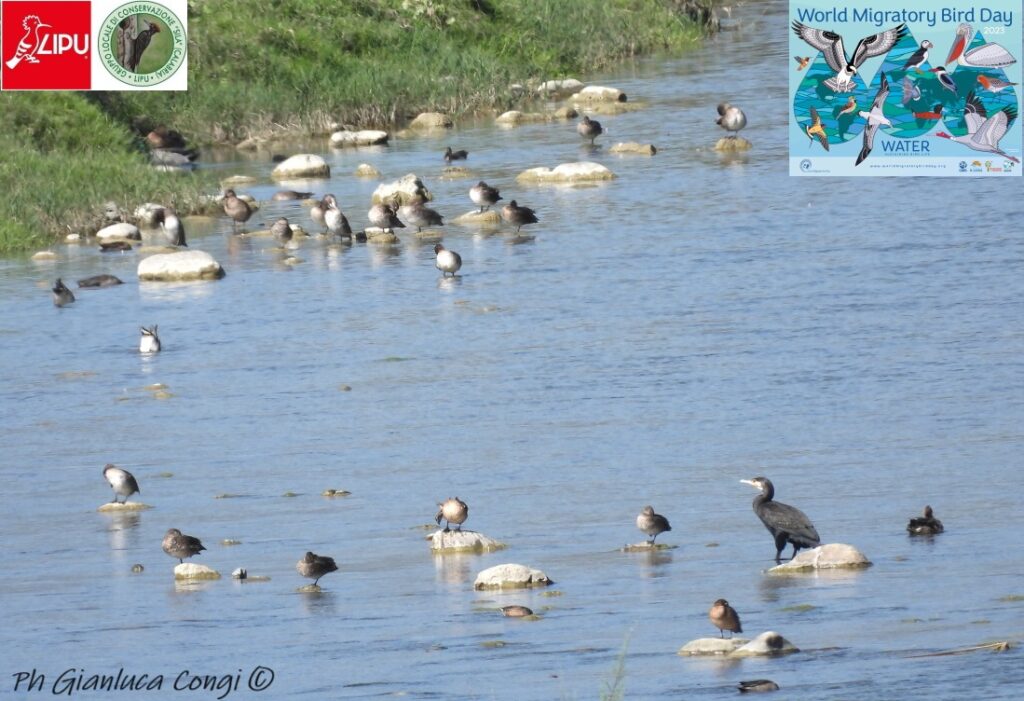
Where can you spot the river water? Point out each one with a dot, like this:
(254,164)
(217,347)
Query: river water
(696,321)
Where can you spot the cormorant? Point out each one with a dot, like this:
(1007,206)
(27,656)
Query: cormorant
(786,523)
(926,525)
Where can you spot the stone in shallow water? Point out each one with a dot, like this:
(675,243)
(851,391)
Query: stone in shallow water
(634,147)
(599,93)
(645,547)
(581,171)
(303,165)
(712,646)
(767,644)
(124,506)
(732,144)
(442,542)
(490,217)
(365,170)
(824,557)
(431,120)
(407,189)
(193,570)
(310,589)
(363,137)
(510,576)
(119,232)
(180,266)
(44,255)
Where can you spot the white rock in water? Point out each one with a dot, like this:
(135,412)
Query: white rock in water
(192,570)
(303,165)
(124,506)
(119,232)
(491,216)
(44,255)
(365,170)
(634,147)
(364,137)
(408,188)
(582,171)
(568,85)
(510,576)
(182,265)
(824,557)
(431,120)
(712,646)
(600,93)
(462,542)
(767,644)
(732,144)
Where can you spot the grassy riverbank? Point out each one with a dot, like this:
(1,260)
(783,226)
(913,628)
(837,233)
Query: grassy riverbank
(302,65)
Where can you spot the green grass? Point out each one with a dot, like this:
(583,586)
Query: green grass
(305,64)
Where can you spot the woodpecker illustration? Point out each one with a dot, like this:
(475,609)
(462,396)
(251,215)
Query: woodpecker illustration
(29,44)
(140,44)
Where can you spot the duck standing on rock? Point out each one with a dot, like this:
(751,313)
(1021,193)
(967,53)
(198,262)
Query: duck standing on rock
(518,216)
(651,523)
(313,566)
(925,525)
(724,617)
(236,208)
(316,213)
(384,218)
(61,294)
(281,231)
(121,481)
(452,510)
(447,262)
(731,119)
(589,129)
(150,341)
(419,215)
(171,225)
(334,219)
(177,544)
(483,195)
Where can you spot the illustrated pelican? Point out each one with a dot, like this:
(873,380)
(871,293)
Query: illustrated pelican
(831,45)
(987,55)
(984,132)
(875,118)
(816,130)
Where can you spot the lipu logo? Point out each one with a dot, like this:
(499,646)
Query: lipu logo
(45,45)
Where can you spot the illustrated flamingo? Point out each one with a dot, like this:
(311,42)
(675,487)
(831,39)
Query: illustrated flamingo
(984,132)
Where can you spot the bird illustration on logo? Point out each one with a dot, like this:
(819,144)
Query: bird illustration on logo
(29,44)
(141,44)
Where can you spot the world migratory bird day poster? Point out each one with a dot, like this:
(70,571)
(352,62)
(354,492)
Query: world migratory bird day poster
(918,87)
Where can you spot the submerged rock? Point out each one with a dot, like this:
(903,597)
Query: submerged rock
(124,506)
(767,644)
(335,492)
(647,547)
(407,190)
(560,87)
(712,646)
(514,118)
(363,137)
(431,120)
(303,165)
(599,93)
(581,171)
(510,576)
(732,144)
(455,172)
(447,542)
(824,557)
(233,180)
(182,265)
(365,170)
(490,217)
(44,255)
(121,231)
(565,112)
(193,570)
(634,147)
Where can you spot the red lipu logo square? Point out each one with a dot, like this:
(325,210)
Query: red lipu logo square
(45,45)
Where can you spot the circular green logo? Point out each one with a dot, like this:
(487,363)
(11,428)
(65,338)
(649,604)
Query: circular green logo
(142,43)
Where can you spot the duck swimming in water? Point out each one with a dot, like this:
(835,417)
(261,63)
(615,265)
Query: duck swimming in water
(925,525)
(786,523)
(287,195)
(61,294)
(150,341)
(452,510)
(281,231)
(757,685)
(121,481)
(313,566)
(450,155)
(446,261)
(102,280)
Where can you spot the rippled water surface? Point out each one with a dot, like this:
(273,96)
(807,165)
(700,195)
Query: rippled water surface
(696,321)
